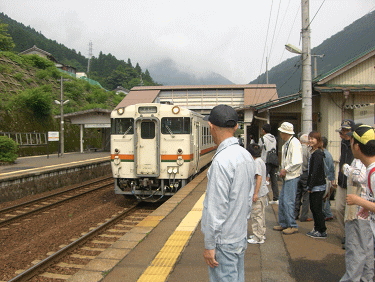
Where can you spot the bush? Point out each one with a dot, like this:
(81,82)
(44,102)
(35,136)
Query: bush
(8,150)
(38,61)
(19,76)
(14,57)
(37,100)
(5,69)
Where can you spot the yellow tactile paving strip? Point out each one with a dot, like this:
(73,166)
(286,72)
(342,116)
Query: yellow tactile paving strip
(167,257)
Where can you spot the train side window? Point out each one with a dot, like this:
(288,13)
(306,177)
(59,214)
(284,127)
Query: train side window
(173,125)
(147,130)
(122,125)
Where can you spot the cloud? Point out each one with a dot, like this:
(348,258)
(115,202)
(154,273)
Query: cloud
(229,38)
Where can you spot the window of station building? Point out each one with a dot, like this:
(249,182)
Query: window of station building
(175,125)
(122,126)
(148,130)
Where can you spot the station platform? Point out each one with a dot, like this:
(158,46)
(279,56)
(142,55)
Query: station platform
(168,245)
(24,165)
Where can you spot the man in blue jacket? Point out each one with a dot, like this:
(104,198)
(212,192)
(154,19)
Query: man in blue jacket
(227,204)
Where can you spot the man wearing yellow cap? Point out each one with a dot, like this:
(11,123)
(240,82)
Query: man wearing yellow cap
(359,255)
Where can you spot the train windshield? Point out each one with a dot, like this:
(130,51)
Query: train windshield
(175,125)
(122,126)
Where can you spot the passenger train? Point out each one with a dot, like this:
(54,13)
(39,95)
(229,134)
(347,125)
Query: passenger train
(156,149)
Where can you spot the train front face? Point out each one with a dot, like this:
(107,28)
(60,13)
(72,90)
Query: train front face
(150,150)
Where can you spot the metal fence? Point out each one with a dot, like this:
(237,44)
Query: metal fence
(28,138)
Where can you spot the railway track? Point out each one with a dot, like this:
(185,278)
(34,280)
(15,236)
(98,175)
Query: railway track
(10,214)
(52,267)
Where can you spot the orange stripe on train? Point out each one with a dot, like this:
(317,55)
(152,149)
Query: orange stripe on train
(123,157)
(163,157)
(174,157)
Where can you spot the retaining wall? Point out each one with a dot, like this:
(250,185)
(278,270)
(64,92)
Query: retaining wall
(16,187)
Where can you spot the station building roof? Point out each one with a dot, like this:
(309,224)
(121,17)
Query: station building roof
(202,96)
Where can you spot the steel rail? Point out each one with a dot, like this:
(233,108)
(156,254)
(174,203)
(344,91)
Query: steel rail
(11,219)
(42,265)
(53,195)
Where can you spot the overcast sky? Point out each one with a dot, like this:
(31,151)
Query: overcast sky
(231,38)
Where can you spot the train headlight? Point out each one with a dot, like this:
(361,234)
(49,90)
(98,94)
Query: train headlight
(179,151)
(116,160)
(120,111)
(172,170)
(176,110)
(180,161)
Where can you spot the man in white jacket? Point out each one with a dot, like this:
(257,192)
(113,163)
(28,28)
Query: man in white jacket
(268,142)
(291,169)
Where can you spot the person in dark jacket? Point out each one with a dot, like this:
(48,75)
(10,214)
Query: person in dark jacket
(346,157)
(316,185)
(302,195)
(268,142)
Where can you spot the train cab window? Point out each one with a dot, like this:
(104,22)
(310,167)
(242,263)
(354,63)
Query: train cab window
(148,130)
(122,126)
(175,125)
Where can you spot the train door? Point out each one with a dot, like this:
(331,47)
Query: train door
(147,147)
(197,144)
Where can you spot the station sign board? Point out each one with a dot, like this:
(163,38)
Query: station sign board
(97,125)
(53,136)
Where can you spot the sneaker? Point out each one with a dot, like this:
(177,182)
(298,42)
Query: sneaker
(317,234)
(279,228)
(274,202)
(253,237)
(310,233)
(255,241)
(290,230)
(328,218)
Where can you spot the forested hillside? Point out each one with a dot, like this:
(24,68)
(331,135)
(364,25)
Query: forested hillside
(29,84)
(341,47)
(106,69)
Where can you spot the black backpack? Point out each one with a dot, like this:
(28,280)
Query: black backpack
(271,157)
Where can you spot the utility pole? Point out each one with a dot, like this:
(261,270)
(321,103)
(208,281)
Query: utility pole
(61,117)
(90,55)
(61,103)
(306,70)
(266,70)
(316,64)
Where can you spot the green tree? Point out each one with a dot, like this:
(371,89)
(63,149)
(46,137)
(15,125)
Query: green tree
(8,149)
(37,100)
(6,41)
(138,69)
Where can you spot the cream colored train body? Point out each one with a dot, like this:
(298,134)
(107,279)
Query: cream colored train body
(156,149)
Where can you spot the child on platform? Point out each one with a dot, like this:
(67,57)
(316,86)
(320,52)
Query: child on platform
(363,147)
(360,259)
(258,216)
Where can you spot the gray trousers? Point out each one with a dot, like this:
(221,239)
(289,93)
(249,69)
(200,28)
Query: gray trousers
(340,201)
(359,251)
